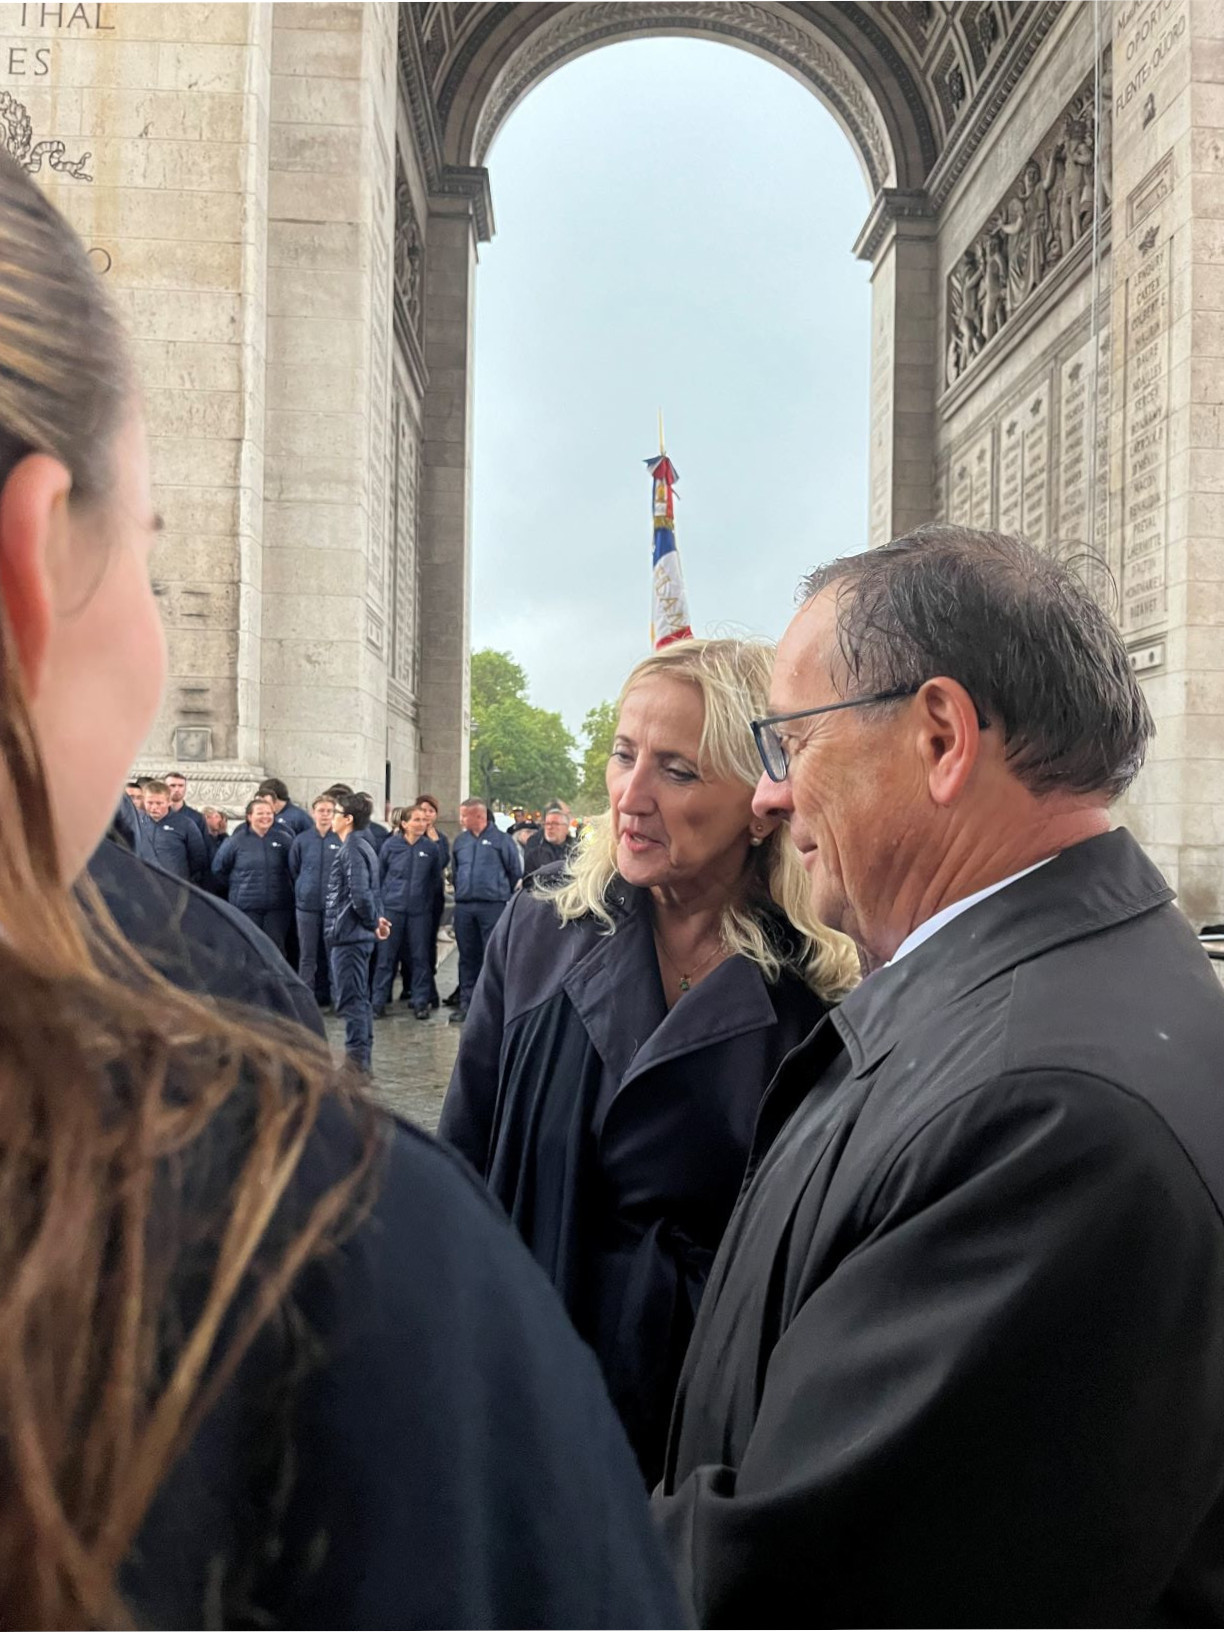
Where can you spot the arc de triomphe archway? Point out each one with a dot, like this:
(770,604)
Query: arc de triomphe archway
(288,202)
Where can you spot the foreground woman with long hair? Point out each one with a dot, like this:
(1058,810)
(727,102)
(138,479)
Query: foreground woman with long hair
(633,1008)
(264,1358)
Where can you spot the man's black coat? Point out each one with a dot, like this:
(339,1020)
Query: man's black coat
(961,1357)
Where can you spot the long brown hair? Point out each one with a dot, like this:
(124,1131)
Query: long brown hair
(114,1084)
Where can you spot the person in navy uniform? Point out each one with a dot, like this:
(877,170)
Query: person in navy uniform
(254,863)
(176,782)
(433,832)
(287,814)
(352,922)
(486,869)
(310,863)
(411,870)
(176,843)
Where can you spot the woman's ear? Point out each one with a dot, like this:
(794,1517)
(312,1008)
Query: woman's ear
(33,549)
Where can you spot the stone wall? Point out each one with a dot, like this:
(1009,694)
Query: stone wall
(1167,431)
(234,170)
(149,127)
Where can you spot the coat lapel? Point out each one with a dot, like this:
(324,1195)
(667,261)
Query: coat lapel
(618,995)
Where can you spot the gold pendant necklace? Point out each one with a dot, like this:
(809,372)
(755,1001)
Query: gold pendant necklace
(686,976)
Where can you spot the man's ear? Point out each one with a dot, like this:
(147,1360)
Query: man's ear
(948,737)
(33,541)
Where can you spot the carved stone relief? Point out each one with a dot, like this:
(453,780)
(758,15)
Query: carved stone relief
(17,135)
(1048,211)
(403,667)
(409,255)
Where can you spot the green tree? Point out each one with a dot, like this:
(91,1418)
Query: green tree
(599,732)
(496,678)
(521,755)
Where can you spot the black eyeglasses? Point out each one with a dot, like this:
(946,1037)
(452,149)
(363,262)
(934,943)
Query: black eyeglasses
(774,757)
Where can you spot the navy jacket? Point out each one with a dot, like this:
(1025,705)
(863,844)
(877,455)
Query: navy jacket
(257,869)
(411,874)
(295,819)
(541,852)
(179,846)
(195,940)
(129,829)
(197,816)
(425,1443)
(959,1359)
(485,868)
(354,902)
(615,1131)
(310,863)
(375,835)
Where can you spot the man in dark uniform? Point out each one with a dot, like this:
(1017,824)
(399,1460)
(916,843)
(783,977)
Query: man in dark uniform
(958,1362)
(177,843)
(555,843)
(176,783)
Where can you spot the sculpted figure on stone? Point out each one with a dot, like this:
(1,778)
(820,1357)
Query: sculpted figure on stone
(965,326)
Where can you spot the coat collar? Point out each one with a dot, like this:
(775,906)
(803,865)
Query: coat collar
(1087,888)
(617,993)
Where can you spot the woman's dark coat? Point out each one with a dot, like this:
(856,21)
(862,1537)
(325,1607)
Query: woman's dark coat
(615,1133)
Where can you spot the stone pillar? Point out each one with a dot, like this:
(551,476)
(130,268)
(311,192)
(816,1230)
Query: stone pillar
(446,473)
(899,241)
(331,219)
(157,119)
(1167,428)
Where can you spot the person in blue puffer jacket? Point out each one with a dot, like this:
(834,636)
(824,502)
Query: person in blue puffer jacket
(411,870)
(254,862)
(486,866)
(310,863)
(352,922)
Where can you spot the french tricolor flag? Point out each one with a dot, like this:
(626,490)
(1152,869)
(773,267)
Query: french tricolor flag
(669,604)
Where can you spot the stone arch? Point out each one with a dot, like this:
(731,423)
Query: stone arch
(879,103)
(475,65)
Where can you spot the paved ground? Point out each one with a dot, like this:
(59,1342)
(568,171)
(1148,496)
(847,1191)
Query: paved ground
(412,1058)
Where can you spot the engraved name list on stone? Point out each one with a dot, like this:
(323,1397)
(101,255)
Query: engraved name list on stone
(1146,443)
(1078,522)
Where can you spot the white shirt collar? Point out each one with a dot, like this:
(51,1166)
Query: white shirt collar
(946,914)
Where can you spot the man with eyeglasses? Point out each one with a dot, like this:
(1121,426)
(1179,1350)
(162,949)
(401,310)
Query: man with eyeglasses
(960,1359)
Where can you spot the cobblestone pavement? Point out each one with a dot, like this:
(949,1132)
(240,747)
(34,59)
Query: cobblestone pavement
(412,1058)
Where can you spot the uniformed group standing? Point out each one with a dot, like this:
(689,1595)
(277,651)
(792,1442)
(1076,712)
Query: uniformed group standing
(350,902)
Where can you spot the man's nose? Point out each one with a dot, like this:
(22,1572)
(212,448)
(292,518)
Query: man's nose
(772,799)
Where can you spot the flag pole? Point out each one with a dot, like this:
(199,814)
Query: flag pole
(662,449)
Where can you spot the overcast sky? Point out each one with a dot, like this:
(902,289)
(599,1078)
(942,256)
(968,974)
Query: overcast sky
(674,222)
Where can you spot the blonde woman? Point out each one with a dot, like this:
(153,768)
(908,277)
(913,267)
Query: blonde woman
(632,1010)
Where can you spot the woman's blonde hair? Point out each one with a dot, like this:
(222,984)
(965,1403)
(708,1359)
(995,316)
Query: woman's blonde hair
(147,1136)
(732,677)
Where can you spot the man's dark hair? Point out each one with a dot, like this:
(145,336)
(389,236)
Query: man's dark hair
(169,774)
(467,804)
(274,786)
(1038,655)
(143,781)
(357,805)
(258,799)
(152,785)
(337,790)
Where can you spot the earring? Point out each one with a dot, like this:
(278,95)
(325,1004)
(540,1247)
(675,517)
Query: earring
(755,838)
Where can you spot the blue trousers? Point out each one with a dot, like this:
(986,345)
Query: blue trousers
(314,965)
(409,939)
(475,921)
(350,984)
